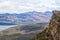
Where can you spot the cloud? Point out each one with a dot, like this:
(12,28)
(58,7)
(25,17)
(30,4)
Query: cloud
(18,6)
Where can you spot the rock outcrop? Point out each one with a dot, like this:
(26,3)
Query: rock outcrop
(53,31)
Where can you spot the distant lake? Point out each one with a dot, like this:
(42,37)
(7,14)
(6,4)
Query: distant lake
(2,27)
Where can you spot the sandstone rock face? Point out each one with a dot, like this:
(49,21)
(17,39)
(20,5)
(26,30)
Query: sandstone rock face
(53,31)
(54,26)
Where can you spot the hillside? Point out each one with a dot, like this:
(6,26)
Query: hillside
(22,32)
(53,31)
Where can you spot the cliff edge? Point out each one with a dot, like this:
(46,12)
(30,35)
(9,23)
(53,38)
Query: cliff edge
(53,31)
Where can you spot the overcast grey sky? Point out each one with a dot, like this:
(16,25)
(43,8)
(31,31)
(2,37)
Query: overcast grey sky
(18,6)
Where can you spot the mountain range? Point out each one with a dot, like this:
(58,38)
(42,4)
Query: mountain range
(24,18)
(27,24)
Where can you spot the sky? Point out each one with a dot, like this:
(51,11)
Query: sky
(5,27)
(19,6)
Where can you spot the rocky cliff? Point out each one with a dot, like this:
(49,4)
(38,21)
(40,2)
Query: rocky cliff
(53,31)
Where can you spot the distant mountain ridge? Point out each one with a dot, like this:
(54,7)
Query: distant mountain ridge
(27,17)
